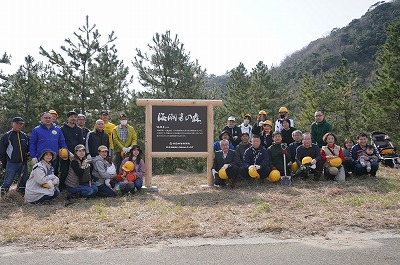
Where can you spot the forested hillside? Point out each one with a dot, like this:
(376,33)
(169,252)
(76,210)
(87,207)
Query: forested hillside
(358,43)
(334,73)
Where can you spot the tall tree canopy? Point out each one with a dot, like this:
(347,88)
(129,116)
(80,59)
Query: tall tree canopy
(167,71)
(87,67)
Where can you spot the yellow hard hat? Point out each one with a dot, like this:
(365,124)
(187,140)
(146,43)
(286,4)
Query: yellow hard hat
(262,112)
(253,172)
(274,176)
(306,160)
(128,166)
(63,153)
(283,109)
(335,162)
(53,112)
(295,167)
(268,122)
(222,173)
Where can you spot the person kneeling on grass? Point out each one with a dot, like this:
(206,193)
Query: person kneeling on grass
(128,179)
(79,180)
(224,159)
(102,174)
(356,151)
(135,155)
(312,151)
(42,184)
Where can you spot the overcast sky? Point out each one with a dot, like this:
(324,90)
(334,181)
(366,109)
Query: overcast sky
(219,33)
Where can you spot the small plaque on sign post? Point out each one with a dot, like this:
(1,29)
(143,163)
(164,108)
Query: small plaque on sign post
(179,129)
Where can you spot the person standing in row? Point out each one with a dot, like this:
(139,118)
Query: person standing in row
(14,147)
(54,116)
(81,122)
(283,115)
(235,131)
(246,127)
(124,138)
(319,128)
(108,129)
(258,126)
(46,136)
(96,138)
(73,136)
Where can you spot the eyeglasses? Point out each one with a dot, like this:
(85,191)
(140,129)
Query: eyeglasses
(318,115)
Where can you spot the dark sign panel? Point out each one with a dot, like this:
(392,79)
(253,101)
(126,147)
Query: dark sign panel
(179,129)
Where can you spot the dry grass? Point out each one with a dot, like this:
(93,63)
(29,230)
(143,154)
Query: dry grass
(182,209)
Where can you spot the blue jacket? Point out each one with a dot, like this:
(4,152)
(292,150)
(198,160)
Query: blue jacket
(44,138)
(354,152)
(254,156)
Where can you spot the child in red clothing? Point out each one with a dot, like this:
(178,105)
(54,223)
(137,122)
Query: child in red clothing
(126,178)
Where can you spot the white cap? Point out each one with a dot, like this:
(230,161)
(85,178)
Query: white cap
(231,118)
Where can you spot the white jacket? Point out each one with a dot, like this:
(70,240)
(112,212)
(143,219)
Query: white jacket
(41,173)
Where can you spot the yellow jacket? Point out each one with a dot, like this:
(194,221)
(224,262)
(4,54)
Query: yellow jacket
(109,128)
(130,141)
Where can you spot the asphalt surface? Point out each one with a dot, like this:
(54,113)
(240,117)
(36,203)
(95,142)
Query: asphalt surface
(346,249)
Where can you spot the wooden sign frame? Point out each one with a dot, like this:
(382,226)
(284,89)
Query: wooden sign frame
(209,154)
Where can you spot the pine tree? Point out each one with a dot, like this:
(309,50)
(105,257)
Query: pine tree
(5,59)
(237,98)
(167,71)
(308,102)
(108,81)
(382,106)
(340,100)
(27,92)
(74,70)
(263,92)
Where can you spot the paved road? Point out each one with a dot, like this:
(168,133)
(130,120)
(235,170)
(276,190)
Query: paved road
(334,249)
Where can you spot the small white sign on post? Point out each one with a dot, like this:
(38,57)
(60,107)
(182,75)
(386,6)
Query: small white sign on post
(179,128)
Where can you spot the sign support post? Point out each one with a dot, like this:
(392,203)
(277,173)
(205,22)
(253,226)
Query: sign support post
(179,128)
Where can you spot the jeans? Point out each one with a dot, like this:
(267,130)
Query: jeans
(13,170)
(84,189)
(105,191)
(360,170)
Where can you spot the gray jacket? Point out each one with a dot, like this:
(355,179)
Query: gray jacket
(100,173)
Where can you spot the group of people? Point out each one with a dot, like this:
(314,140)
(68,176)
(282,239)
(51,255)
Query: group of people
(104,161)
(107,160)
(257,151)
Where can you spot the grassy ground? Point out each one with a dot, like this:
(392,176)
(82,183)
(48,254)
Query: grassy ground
(183,209)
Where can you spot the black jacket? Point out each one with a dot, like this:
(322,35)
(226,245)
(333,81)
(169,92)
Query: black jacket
(234,131)
(73,136)
(9,145)
(219,160)
(94,139)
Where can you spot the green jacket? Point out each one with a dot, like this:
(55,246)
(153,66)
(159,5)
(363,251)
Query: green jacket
(275,153)
(130,141)
(318,130)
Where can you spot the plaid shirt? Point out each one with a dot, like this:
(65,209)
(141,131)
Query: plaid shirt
(123,133)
